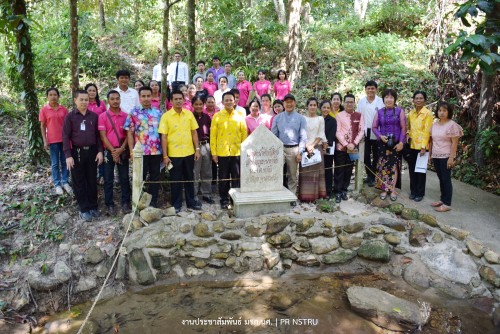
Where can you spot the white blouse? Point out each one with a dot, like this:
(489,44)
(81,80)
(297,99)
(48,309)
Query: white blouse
(315,129)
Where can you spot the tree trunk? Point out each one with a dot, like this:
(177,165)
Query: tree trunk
(164,53)
(137,6)
(191,14)
(101,15)
(279,7)
(27,76)
(294,40)
(360,7)
(73,14)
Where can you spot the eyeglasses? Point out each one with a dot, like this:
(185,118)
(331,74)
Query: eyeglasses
(349,102)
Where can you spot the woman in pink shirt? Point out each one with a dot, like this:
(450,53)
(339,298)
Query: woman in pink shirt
(254,119)
(282,86)
(210,85)
(245,88)
(261,86)
(211,106)
(443,151)
(95,104)
(155,95)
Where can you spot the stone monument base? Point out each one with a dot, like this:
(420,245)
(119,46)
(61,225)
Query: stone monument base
(253,204)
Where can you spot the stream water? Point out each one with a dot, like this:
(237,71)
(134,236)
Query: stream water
(309,303)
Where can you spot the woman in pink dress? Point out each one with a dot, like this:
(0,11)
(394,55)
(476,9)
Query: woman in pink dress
(282,86)
(155,95)
(210,85)
(261,86)
(443,151)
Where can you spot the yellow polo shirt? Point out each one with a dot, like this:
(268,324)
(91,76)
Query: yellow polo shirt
(419,127)
(227,133)
(178,127)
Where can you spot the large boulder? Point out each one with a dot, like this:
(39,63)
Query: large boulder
(151,215)
(322,245)
(418,235)
(277,224)
(139,270)
(375,250)
(340,256)
(201,230)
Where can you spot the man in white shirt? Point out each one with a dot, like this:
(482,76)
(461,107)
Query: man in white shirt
(368,107)
(129,98)
(231,79)
(178,73)
(157,70)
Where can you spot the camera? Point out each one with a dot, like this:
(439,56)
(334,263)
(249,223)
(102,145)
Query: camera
(390,140)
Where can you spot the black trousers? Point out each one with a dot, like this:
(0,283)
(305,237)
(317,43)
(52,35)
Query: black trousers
(444,175)
(329,174)
(109,176)
(151,165)
(183,170)
(417,180)
(84,174)
(342,176)
(229,167)
(370,150)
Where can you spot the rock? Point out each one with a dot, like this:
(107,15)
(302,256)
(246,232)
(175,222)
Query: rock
(428,219)
(392,238)
(367,235)
(121,267)
(169,212)
(151,215)
(230,261)
(409,214)
(202,253)
(185,228)
(287,263)
(62,218)
(282,301)
(40,282)
(219,227)
(251,254)
(396,208)
(308,260)
(322,245)
(375,250)
(216,263)
(202,242)
(370,193)
(348,242)
(455,232)
(379,203)
(85,283)
(395,224)
(449,262)
(200,264)
(144,201)
(492,257)
(437,238)
(62,272)
(340,256)
(400,250)
(94,255)
(271,256)
(221,256)
(384,309)
(240,266)
(161,239)
(255,264)
(301,244)
(192,271)
(418,235)
(475,247)
(277,224)
(280,240)
(490,275)
(254,230)
(354,228)
(234,225)
(417,275)
(304,224)
(250,246)
(496,317)
(230,236)
(377,230)
(139,270)
(288,253)
(210,216)
(201,230)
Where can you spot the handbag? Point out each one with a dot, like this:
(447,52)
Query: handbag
(353,154)
(406,152)
(311,159)
(125,154)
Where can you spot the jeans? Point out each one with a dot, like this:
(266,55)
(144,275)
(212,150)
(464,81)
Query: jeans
(60,172)
(109,176)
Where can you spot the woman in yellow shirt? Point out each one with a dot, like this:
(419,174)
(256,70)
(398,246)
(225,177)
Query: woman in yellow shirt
(419,131)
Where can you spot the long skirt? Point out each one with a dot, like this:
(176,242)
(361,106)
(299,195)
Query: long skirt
(388,166)
(312,181)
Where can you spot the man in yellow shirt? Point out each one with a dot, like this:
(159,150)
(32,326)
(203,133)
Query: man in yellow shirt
(227,132)
(179,142)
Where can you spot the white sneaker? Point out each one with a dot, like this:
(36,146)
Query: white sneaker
(59,191)
(68,188)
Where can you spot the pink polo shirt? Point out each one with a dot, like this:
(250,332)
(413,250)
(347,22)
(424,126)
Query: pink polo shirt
(104,125)
(210,87)
(187,105)
(245,87)
(97,109)
(53,119)
(281,89)
(209,113)
(155,102)
(253,123)
(262,87)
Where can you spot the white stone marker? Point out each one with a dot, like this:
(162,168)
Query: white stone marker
(261,177)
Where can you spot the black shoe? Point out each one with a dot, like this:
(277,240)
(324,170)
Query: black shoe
(293,204)
(338,198)
(125,208)
(412,196)
(94,213)
(110,210)
(224,204)
(371,183)
(418,198)
(208,199)
(344,197)
(177,210)
(196,206)
(86,216)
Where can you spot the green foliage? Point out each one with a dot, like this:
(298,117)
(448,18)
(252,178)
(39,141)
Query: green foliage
(489,141)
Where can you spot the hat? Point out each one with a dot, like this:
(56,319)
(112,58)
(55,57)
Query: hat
(289,96)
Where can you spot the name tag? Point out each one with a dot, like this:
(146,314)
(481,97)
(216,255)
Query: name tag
(82,126)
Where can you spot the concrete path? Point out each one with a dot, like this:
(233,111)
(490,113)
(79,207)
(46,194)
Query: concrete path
(474,210)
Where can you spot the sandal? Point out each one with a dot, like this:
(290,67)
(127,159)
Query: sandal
(394,197)
(442,208)
(436,204)
(383,196)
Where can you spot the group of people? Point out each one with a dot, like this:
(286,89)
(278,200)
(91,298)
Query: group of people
(198,139)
